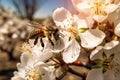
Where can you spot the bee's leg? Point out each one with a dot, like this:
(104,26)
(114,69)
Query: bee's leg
(56,37)
(56,34)
(41,41)
(51,42)
(36,40)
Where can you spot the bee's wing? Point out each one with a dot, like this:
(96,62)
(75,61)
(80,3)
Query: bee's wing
(33,27)
(34,24)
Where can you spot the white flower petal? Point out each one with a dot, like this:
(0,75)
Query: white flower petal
(116,72)
(20,66)
(113,17)
(116,52)
(45,55)
(90,21)
(116,60)
(24,58)
(111,44)
(58,46)
(48,71)
(96,53)
(61,16)
(72,52)
(109,48)
(17,78)
(36,50)
(83,7)
(99,18)
(82,24)
(108,75)
(40,65)
(95,74)
(37,68)
(110,8)
(117,30)
(91,38)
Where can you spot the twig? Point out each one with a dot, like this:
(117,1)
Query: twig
(76,73)
(62,75)
(78,63)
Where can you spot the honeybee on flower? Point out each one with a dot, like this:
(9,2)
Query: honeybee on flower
(89,30)
(40,31)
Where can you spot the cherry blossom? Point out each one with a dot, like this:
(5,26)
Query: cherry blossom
(76,25)
(100,9)
(29,69)
(107,62)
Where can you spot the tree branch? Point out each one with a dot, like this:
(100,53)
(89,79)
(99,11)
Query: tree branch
(79,63)
(76,73)
(61,76)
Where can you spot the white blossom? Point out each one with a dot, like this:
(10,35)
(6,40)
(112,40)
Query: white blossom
(109,62)
(71,52)
(31,69)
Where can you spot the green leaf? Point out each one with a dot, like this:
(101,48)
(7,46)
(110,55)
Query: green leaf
(103,43)
(111,57)
(96,67)
(104,70)
(78,39)
(104,56)
(82,30)
(70,38)
(63,69)
(57,56)
(97,61)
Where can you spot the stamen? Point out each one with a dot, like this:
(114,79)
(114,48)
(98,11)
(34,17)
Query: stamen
(73,31)
(35,75)
(98,8)
(108,64)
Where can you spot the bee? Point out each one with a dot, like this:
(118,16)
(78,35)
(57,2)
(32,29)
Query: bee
(40,31)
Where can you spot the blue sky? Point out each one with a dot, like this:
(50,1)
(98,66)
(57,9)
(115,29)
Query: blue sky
(49,7)
(45,10)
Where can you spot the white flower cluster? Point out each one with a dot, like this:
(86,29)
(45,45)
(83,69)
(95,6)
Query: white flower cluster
(94,27)
(11,24)
(12,29)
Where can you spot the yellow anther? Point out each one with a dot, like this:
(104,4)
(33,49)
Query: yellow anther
(98,8)
(73,31)
(35,75)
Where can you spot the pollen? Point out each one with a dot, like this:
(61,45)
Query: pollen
(98,8)
(73,31)
(35,75)
(26,48)
(108,64)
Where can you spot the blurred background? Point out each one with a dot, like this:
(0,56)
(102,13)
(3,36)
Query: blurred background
(14,18)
